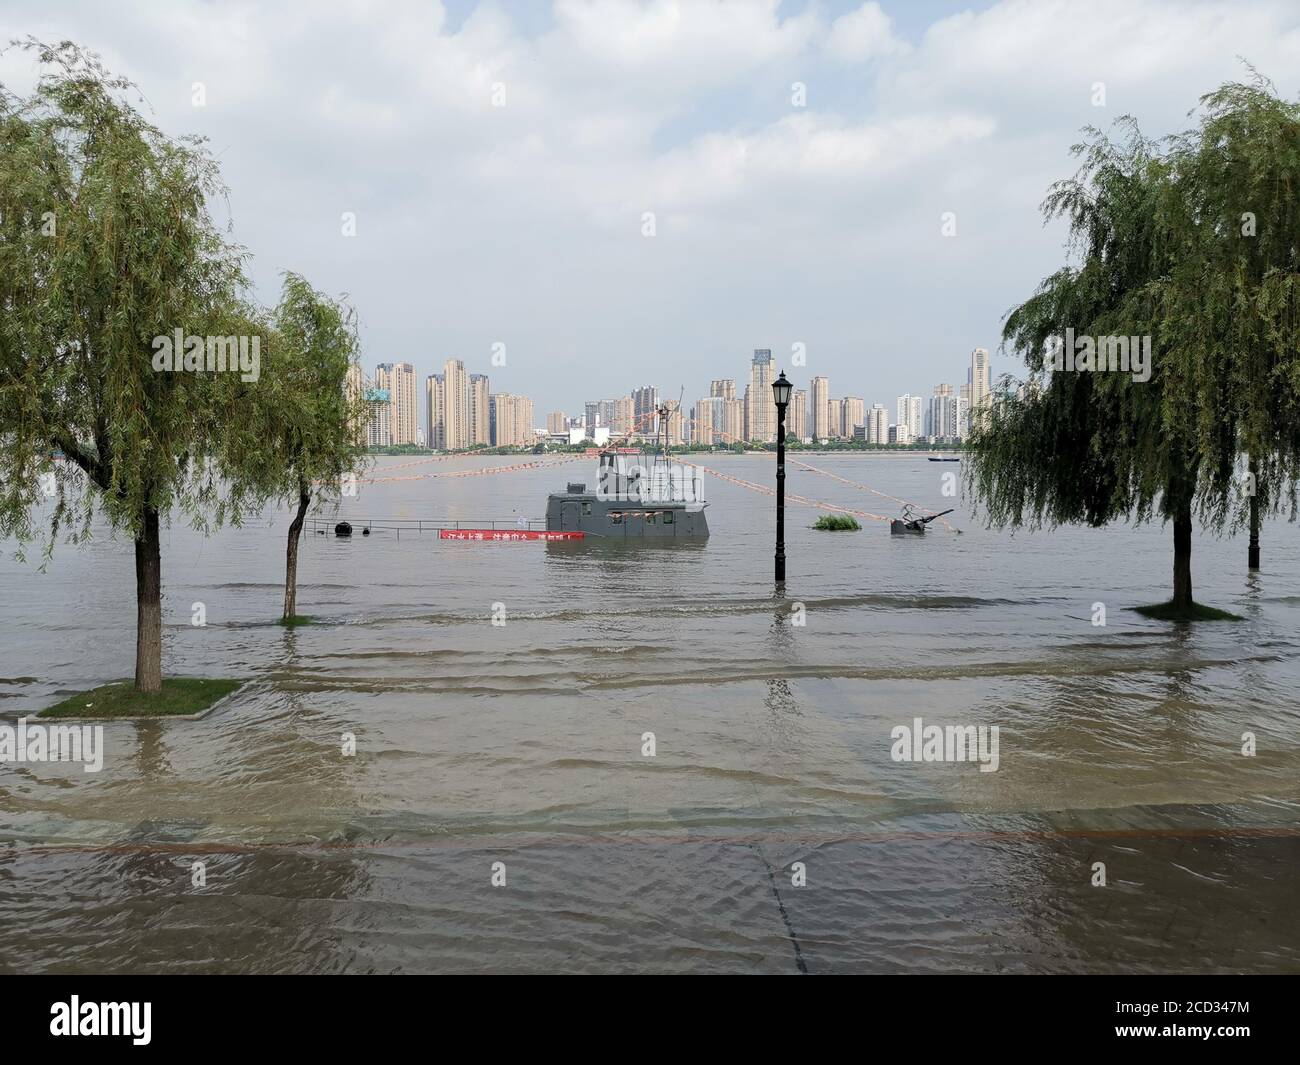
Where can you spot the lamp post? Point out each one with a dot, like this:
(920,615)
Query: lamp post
(781,389)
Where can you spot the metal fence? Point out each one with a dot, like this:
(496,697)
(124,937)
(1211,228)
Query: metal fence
(419,526)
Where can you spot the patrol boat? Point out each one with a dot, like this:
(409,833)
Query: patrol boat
(640,499)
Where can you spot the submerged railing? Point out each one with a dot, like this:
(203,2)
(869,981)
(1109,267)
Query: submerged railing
(419,526)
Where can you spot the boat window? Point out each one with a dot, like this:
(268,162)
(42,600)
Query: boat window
(649,517)
(616,517)
(586,508)
(668,517)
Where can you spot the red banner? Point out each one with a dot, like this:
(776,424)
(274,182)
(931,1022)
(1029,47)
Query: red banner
(509,535)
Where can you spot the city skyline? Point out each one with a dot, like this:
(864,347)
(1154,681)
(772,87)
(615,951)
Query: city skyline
(460,410)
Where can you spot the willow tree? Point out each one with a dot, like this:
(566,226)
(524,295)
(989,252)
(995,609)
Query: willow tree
(1153,258)
(1092,447)
(1238,176)
(106,244)
(301,436)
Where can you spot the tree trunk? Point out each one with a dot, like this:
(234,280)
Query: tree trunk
(1183,556)
(1252,551)
(291,556)
(148,606)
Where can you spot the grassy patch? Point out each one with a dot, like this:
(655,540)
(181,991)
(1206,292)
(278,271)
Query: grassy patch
(837,523)
(1197,612)
(296,620)
(179,695)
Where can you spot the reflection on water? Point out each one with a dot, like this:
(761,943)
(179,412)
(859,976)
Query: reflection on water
(522,744)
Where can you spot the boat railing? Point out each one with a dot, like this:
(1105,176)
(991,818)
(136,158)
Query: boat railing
(420,526)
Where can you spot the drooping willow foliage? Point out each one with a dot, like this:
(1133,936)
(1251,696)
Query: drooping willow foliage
(105,242)
(1194,241)
(300,432)
(107,245)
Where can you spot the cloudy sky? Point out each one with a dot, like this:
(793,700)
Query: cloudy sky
(774,224)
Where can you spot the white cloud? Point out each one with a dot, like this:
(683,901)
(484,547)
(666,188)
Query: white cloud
(866,33)
(776,223)
(685,42)
(807,149)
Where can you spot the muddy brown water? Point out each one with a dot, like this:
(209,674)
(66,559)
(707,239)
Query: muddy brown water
(522,744)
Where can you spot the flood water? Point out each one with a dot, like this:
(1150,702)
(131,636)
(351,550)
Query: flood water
(522,744)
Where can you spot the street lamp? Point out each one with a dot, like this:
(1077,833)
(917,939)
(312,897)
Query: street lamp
(781,389)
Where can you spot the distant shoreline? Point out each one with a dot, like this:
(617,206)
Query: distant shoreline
(790,452)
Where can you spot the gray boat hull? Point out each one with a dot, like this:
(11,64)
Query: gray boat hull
(586,513)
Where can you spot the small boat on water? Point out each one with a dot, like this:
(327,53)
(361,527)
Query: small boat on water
(937,458)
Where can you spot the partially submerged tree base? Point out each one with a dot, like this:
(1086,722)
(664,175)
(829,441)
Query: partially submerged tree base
(1196,612)
(180,696)
(296,620)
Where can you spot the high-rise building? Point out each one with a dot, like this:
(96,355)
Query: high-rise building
(877,424)
(480,431)
(676,430)
(852,413)
(609,411)
(706,419)
(620,421)
(733,422)
(945,418)
(796,418)
(821,411)
(435,425)
(556,423)
(723,388)
(592,418)
(511,417)
(398,378)
(760,404)
(645,402)
(379,431)
(455,405)
(835,418)
(354,388)
(911,422)
(981,383)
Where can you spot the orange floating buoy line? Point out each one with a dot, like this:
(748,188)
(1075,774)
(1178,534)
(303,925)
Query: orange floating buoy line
(466,473)
(819,504)
(790,498)
(912,511)
(906,503)
(910,508)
